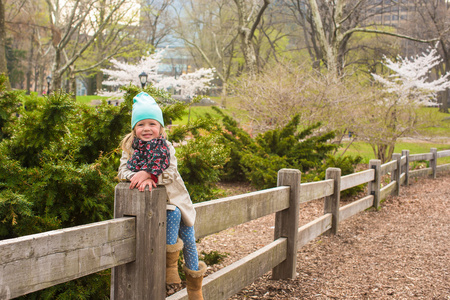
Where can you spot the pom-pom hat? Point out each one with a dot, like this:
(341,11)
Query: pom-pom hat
(145,107)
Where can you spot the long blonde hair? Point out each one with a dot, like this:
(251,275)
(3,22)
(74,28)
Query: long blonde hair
(127,141)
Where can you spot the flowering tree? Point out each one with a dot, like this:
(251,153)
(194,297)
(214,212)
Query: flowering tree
(410,81)
(391,113)
(190,85)
(123,73)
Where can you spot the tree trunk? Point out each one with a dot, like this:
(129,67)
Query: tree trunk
(30,63)
(3,65)
(248,51)
(73,83)
(224,94)
(444,95)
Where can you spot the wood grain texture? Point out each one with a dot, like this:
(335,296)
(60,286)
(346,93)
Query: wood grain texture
(316,190)
(313,229)
(355,179)
(217,215)
(355,207)
(231,279)
(38,261)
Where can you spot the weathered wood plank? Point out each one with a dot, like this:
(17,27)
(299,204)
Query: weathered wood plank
(144,278)
(331,203)
(388,167)
(442,168)
(355,179)
(316,190)
(42,260)
(373,188)
(231,279)
(355,207)
(443,153)
(388,189)
(313,229)
(422,156)
(211,216)
(425,172)
(286,224)
(402,178)
(403,160)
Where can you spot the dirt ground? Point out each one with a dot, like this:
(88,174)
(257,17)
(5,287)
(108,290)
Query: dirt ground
(399,252)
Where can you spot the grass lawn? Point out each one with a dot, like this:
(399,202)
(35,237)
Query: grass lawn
(414,146)
(88,99)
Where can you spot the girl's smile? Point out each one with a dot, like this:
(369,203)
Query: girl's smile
(147,129)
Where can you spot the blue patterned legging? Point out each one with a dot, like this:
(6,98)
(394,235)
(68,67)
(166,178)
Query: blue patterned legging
(176,226)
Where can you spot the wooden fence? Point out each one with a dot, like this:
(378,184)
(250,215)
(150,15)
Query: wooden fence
(133,244)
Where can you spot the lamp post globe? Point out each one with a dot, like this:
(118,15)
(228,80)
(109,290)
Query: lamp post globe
(143,78)
(49,79)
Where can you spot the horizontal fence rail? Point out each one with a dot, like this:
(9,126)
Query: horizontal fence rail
(356,179)
(316,190)
(42,260)
(239,209)
(38,261)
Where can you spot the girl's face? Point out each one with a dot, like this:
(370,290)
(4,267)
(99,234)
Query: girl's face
(147,129)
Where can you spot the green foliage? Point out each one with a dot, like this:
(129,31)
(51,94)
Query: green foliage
(347,164)
(9,103)
(201,161)
(212,257)
(13,207)
(258,160)
(94,286)
(15,67)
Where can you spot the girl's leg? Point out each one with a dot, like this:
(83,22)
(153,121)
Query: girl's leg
(173,225)
(173,247)
(187,234)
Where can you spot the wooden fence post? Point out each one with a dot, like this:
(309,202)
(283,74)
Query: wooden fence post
(145,277)
(374,186)
(433,162)
(286,224)
(331,204)
(406,167)
(397,172)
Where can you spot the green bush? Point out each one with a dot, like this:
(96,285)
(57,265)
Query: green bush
(201,161)
(258,160)
(347,164)
(212,257)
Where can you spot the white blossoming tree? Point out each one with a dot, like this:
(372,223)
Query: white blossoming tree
(410,80)
(189,85)
(393,111)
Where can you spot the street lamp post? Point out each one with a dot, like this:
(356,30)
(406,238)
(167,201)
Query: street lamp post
(49,79)
(143,78)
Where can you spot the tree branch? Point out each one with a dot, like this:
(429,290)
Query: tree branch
(351,31)
(258,18)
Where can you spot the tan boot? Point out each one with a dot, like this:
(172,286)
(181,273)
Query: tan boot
(172,254)
(194,281)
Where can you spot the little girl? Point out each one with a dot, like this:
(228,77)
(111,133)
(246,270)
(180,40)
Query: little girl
(149,159)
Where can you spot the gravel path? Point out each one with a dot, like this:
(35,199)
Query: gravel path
(399,252)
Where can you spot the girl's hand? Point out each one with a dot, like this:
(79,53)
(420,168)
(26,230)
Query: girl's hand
(146,182)
(138,179)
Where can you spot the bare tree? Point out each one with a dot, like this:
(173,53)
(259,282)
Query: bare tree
(334,24)
(249,17)
(156,22)
(72,33)
(434,17)
(208,29)
(3,67)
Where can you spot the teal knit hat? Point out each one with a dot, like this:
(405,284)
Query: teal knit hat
(145,107)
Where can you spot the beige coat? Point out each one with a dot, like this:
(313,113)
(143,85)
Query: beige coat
(177,194)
